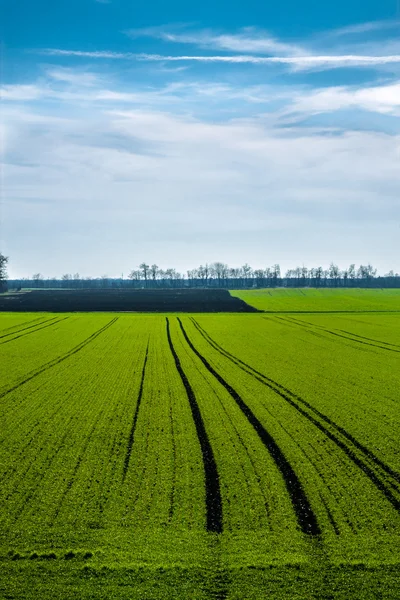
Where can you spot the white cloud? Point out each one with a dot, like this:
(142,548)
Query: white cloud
(361,28)
(20,92)
(382,99)
(179,189)
(296,62)
(249,40)
(72,76)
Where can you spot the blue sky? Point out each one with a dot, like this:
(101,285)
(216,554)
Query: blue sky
(183,133)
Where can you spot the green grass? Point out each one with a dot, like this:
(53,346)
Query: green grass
(103,472)
(321,300)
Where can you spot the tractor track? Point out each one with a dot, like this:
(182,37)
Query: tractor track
(60,359)
(131,438)
(306,517)
(36,328)
(213,492)
(309,327)
(22,326)
(379,480)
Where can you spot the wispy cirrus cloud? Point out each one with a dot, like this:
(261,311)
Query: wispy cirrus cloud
(361,28)
(248,40)
(322,62)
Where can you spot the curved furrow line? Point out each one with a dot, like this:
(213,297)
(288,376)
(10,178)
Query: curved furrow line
(131,438)
(29,323)
(370,339)
(363,337)
(293,399)
(53,322)
(213,492)
(243,448)
(60,359)
(306,517)
(308,326)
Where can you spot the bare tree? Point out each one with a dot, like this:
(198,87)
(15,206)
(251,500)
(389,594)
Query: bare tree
(276,273)
(154,271)
(145,270)
(334,272)
(135,275)
(352,271)
(3,272)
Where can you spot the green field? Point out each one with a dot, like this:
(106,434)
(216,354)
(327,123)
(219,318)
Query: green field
(202,456)
(322,300)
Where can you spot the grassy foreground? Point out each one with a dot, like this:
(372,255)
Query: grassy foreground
(199,456)
(321,300)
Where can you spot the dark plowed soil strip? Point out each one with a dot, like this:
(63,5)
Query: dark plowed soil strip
(293,399)
(59,360)
(53,322)
(135,418)
(213,492)
(304,513)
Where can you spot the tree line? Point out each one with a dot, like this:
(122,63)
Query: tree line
(217,274)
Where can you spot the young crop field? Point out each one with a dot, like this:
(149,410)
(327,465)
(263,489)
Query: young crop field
(321,300)
(201,456)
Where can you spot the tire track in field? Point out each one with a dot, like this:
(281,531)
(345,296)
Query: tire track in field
(16,337)
(370,339)
(309,327)
(238,451)
(22,326)
(306,517)
(60,359)
(386,479)
(131,438)
(213,491)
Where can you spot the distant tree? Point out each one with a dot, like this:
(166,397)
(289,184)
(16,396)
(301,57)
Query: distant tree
(276,273)
(145,270)
(66,277)
(352,271)
(204,272)
(154,271)
(3,272)
(38,279)
(135,275)
(366,272)
(334,272)
(172,274)
(219,271)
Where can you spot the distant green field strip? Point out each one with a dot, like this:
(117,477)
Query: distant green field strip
(304,513)
(326,300)
(23,333)
(311,327)
(58,360)
(385,478)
